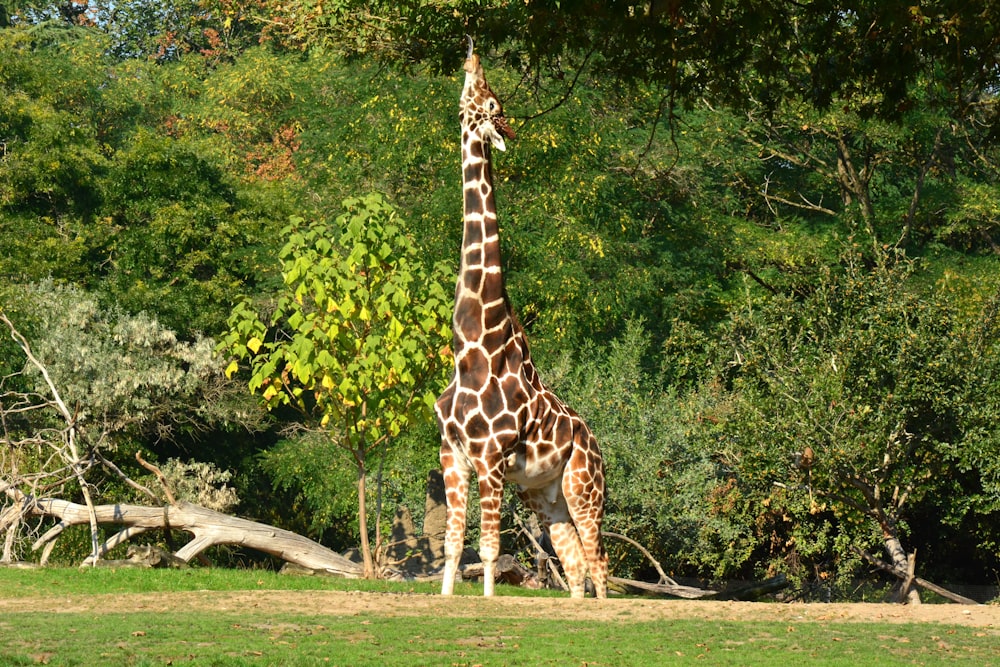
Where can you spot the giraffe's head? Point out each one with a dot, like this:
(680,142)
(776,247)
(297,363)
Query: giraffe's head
(480,110)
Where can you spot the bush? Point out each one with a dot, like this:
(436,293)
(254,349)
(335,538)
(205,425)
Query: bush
(846,411)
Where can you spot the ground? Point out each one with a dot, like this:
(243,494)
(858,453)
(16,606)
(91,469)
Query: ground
(358,603)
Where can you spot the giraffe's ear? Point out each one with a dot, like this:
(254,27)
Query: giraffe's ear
(498,142)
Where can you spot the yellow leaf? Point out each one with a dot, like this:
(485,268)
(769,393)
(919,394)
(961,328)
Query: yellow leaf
(254,344)
(232,368)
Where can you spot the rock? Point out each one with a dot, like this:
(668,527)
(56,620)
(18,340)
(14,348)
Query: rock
(403,541)
(153,556)
(435,519)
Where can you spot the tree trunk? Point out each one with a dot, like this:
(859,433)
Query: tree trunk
(904,593)
(210,528)
(887,523)
(855,183)
(366,549)
(923,583)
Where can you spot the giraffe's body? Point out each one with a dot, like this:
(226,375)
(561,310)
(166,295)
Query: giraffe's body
(497,419)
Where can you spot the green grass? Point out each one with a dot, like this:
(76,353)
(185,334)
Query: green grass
(87,581)
(256,636)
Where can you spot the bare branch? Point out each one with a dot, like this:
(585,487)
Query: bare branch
(805,204)
(796,155)
(209,528)
(569,89)
(664,579)
(159,476)
(70,432)
(125,478)
(121,537)
(527,532)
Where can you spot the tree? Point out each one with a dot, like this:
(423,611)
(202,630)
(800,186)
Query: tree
(358,340)
(891,183)
(850,410)
(151,30)
(734,51)
(115,177)
(40,429)
(91,384)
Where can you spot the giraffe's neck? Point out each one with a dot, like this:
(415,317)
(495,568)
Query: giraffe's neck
(482,316)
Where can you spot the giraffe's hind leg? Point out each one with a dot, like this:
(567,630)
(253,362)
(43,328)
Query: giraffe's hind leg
(567,545)
(583,487)
(596,558)
(549,506)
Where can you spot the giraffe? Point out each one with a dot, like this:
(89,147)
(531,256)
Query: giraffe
(496,417)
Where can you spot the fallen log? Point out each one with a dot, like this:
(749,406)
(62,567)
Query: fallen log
(923,583)
(749,592)
(672,590)
(753,591)
(209,528)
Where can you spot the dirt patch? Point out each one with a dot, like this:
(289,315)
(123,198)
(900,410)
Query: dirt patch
(337,603)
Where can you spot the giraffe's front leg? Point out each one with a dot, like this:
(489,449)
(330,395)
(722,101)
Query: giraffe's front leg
(456,483)
(490,499)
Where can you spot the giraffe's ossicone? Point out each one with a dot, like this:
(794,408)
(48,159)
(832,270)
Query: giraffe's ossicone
(497,419)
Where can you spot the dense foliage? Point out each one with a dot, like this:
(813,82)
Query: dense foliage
(754,244)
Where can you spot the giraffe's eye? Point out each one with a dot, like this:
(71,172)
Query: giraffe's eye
(493,105)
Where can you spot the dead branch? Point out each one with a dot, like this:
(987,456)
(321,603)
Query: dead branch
(751,591)
(508,571)
(664,579)
(549,564)
(159,476)
(125,478)
(797,155)
(805,204)
(69,433)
